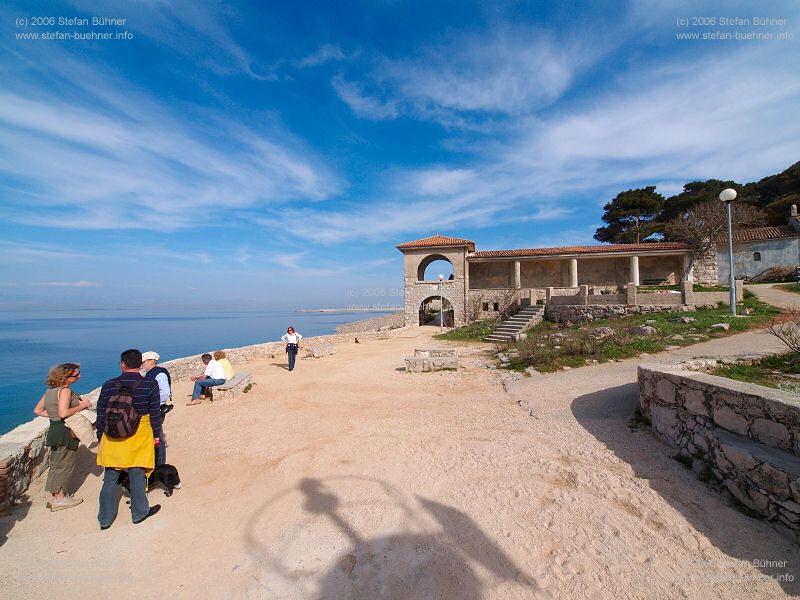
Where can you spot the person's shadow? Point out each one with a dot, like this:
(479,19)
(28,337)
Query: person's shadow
(16,513)
(86,464)
(414,565)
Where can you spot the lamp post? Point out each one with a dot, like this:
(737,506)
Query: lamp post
(727,196)
(441,304)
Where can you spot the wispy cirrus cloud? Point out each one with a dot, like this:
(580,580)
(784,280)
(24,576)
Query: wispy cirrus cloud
(200,30)
(658,122)
(506,72)
(103,150)
(324,54)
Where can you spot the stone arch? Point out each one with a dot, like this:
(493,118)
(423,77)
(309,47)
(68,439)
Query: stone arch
(429,313)
(425,263)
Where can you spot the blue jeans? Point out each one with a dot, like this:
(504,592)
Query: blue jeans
(161,452)
(291,350)
(201,384)
(109,497)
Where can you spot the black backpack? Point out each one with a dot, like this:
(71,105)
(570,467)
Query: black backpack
(122,420)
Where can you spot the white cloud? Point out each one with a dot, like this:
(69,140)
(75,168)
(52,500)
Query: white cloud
(655,124)
(101,151)
(28,251)
(325,53)
(506,72)
(77,284)
(363,104)
(195,29)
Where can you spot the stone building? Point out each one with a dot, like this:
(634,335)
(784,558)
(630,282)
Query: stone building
(484,283)
(755,251)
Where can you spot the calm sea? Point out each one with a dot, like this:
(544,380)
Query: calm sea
(33,341)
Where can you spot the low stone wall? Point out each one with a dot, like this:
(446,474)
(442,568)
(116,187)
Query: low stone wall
(432,359)
(741,436)
(22,452)
(577,313)
(381,323)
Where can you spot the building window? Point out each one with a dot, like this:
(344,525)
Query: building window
(485,307)
(757,256)
(496,307)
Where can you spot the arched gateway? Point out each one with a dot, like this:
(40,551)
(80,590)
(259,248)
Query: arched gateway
(423,289)
(436,310)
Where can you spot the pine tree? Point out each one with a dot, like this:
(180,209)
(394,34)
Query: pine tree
(630,217)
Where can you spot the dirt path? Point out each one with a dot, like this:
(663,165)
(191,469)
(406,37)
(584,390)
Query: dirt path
(348,478)
(773,294)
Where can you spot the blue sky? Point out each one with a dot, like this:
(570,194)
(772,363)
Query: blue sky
(273,155)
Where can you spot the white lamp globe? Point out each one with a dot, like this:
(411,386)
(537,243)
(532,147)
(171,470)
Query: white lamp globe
(441,277)
(727,195)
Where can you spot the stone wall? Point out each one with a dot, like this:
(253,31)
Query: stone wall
(22,452)
(705,269)
(590,312)
(772,253)
(383,322)
(416,294)
(741,437)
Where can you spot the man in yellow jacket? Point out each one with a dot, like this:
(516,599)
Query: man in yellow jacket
(134,453)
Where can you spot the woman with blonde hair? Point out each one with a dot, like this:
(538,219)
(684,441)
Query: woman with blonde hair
(219,356)
(58,403)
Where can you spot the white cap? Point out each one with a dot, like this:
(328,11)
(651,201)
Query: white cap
(150,356)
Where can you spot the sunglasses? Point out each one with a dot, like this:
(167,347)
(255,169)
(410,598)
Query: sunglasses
(78,374)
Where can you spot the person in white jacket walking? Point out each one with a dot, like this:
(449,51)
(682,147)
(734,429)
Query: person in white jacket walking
(292,339)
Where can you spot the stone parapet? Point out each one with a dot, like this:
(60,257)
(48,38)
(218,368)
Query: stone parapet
(22,452)
(743,436)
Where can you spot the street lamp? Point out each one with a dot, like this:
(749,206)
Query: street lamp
(441,304)
(727,196)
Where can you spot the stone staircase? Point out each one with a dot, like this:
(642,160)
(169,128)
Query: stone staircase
(512,327)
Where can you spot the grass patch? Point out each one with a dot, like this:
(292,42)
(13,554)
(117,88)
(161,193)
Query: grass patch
(550,346)
(792,287)
(777,371)
(475,331)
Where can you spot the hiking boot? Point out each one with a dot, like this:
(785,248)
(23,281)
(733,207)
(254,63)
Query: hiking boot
(64,503)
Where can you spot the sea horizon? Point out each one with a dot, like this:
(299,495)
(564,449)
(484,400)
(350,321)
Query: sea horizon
(32,340)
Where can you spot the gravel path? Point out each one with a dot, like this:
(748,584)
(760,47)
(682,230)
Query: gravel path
(349,478)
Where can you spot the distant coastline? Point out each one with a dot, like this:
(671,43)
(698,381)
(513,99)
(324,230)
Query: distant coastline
(338,310)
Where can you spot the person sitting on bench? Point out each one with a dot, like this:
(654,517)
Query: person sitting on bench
(213,375)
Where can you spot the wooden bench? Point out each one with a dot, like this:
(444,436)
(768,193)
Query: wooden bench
(231,388)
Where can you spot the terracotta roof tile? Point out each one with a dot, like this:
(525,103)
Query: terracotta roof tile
(764,233)
(438,241)
(605,248)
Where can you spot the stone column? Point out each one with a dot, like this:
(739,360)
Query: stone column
(634,270)
(573,272)
(517,276)
(688,275)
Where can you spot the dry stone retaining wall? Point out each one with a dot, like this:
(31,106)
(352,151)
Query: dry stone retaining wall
(576,312)
(744,436)
(22,452)
(383,322)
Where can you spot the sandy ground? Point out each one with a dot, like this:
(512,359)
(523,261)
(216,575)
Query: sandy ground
(349,478)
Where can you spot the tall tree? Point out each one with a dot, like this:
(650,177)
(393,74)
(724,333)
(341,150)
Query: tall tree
(694,193)
(705,225)
(776,193)
(630,216)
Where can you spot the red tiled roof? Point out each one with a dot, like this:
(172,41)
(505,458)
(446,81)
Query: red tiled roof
(605,248)
(764,233)
(438,241)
